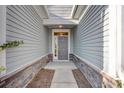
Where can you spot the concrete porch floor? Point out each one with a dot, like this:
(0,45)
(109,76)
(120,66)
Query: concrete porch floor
(63,77)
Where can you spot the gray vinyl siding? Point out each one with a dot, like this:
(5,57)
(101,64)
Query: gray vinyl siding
(91,37)
(23,23)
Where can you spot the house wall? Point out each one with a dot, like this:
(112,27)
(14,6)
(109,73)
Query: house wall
(23,23)
(23,62)
(91,38)
(91,45)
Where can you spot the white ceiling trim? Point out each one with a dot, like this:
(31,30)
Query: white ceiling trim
(73,10)
(84,12)
(79,11)
(48,22)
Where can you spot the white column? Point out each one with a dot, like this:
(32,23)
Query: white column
(113,67)
(3,34)
(110,66)
(119,40)
(120,43)
(121,70)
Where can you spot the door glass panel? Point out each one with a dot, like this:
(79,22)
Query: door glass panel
(55,47)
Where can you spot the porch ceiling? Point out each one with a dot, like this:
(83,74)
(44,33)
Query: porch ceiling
(65,15)
(60,11)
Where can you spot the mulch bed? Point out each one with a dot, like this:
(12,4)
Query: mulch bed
(43,79)
(82,82)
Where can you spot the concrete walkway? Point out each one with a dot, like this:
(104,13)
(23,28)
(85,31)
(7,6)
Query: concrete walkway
(63,77)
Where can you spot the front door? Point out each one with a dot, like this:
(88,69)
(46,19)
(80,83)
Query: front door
(62,47)
(61,40)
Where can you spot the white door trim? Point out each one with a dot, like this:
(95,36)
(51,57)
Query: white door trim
(61,30)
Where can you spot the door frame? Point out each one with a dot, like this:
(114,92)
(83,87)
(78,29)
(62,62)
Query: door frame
(61,30)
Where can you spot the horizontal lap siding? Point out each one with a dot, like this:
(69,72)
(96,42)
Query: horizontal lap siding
(23,23)
(91,37)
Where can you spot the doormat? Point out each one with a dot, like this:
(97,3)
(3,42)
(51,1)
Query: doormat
(43,79)
(82,82)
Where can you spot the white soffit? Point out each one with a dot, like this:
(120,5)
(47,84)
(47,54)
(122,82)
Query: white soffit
(60,11)
(63,14)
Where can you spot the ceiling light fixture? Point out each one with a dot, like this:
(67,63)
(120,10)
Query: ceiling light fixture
(60,26)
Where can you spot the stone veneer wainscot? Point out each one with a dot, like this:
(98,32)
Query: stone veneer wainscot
(96,79)
(23,77)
